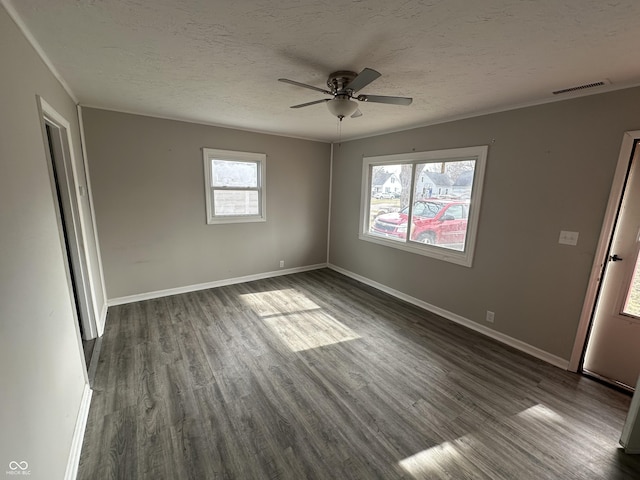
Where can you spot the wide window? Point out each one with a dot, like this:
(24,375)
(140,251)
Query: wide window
(434,205)
(234,186)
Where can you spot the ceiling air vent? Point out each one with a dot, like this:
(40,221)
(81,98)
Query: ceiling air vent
(582,87)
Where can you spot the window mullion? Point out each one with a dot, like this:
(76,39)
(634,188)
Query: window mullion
(407,237)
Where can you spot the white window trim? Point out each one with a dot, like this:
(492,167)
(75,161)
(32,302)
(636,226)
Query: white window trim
(477,153)
(209,154)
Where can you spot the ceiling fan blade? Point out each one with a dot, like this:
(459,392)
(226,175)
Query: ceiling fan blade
(364,78)
(310,103)
(385,99)
(304,85)
(356,114)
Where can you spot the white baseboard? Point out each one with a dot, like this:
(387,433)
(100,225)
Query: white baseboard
(78,434)
(102,320)
(501,337)
(203,286)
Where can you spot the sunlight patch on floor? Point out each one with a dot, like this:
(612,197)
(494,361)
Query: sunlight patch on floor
(299,322)
(438,460)
(540,413)
(278,302)
(309,330)
(431,460)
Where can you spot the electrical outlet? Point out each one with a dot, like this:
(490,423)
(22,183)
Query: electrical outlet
(568,238)
(490,316)
(281,263)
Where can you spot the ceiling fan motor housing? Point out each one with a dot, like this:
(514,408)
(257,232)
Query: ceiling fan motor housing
(340,79)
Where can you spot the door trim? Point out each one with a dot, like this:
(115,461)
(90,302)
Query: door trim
(629,140)
(101,313)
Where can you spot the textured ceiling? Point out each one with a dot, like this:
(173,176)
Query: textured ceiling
(218,62)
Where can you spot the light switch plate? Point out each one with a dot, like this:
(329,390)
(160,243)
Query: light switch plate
(568,238)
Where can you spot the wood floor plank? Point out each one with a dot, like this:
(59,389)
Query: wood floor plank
(317,376)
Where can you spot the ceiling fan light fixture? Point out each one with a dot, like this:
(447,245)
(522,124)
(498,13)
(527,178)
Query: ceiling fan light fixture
(342,106)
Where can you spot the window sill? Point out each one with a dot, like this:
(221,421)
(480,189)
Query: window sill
(464,259)
(222,221)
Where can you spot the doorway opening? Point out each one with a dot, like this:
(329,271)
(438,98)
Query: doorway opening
(65,192)
(607,344)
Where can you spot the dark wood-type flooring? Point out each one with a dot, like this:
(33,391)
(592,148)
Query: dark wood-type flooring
(317,376)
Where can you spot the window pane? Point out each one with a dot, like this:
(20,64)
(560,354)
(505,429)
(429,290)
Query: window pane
(440,212)
(235,202)
(390,186)
(229,173)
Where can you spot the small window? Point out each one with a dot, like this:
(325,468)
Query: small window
(234,186)
(436,210)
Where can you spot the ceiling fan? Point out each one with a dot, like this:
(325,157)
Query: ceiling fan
(343,87)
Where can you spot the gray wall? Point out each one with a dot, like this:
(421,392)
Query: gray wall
(148,187)
(40,354)
(549,168)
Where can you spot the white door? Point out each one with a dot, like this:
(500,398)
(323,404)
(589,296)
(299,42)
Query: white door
(613,348)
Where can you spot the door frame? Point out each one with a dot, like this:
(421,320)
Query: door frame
(629,141)
(77,248)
